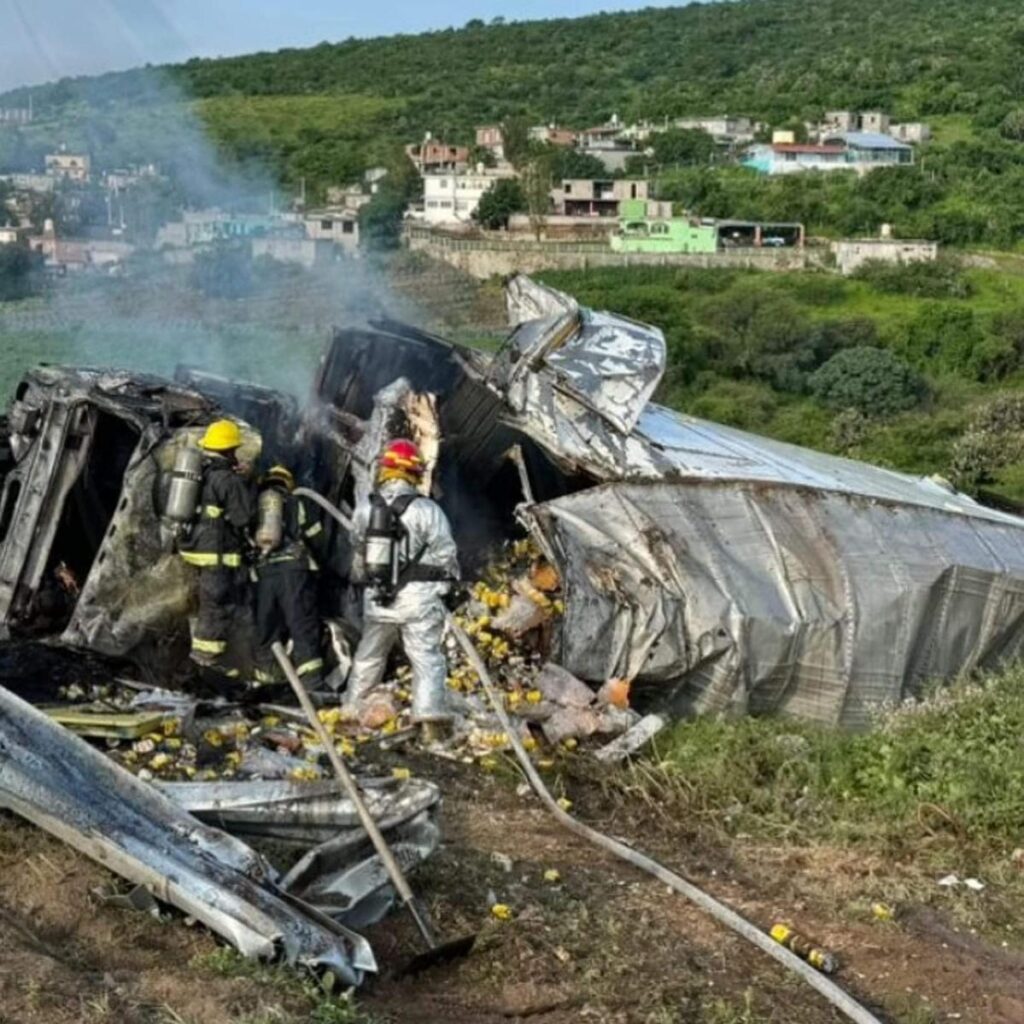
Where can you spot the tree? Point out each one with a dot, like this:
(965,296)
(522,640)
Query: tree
(871,380)
(536,190)
(683,147)
(20,272)
(515,133)
(380,220)
(499,202)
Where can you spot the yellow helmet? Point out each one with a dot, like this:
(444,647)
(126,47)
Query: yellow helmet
(221,436)
(280,474)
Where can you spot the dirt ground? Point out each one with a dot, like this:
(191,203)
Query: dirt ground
(602,943)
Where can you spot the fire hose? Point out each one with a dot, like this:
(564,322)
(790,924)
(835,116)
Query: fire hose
(722,913)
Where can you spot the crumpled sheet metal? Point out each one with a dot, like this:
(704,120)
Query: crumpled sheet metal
(728,596)
(58,782)
(566,376)
(526,299)
(308,812)
(608,364)
(339,872)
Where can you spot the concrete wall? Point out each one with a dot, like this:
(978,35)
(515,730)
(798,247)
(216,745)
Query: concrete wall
(854,253)
(484,258)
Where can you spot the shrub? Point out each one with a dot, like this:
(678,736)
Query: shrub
(944,337)
(993,441)
(20,272)
(940,280)
(870,380)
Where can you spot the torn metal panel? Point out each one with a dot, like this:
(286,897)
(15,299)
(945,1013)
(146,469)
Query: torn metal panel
(307,812)
(345,877)
(756,598)
(58,782)
(609,365)
(339,872)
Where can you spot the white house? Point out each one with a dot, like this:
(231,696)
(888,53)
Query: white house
(452,198)
(341,227)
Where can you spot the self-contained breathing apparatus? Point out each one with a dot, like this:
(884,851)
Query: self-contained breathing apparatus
(270,520)
(389,564)
(181,508)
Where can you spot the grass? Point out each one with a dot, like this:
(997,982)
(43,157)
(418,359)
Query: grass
(324,1007)
(936,787)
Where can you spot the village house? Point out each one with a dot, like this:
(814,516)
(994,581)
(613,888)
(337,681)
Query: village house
(492,138)
(451,199)
(837,121)
(64,166)
(585,197)
(553,135)
(845,151)
(609,143)
(339,227)
(432,156)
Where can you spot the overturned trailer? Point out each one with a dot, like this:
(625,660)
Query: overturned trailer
(717,569)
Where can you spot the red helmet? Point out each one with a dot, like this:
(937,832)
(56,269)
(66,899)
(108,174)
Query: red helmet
(404,455)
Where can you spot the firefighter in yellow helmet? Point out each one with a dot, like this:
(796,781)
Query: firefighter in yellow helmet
(217,542)
(289,540)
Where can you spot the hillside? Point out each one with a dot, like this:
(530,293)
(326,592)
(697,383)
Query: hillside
(769,58)
(325,113)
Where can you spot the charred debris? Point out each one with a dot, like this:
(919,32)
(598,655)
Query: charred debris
(674,565)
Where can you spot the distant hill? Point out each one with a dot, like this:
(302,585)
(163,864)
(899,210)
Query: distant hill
(326,112)
(768,58)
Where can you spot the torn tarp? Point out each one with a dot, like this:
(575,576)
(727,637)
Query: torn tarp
(61,784)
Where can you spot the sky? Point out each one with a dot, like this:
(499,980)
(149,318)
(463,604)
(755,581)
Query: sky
(42,40)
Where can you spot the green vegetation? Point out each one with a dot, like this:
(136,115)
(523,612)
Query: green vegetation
(20,272)
(322,1007)
(324,114)
(504,198)
(940,781)
(905,367)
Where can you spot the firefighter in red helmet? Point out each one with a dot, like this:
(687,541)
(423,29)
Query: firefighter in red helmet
(406,555)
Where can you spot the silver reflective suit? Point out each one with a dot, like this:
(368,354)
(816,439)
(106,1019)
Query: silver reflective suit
(416,614)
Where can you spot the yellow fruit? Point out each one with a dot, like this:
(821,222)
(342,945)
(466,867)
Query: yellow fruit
(401,773)
(545,762)
(234,758)
(529,743)
(502,911)
(552,876)
(390,726)
(270,721)
(564,803)
(570,743)
(159,761)
(534,696)
(173,743)
(213,737)
(171,726)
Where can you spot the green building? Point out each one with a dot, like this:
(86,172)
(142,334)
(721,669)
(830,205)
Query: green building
(640,233)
